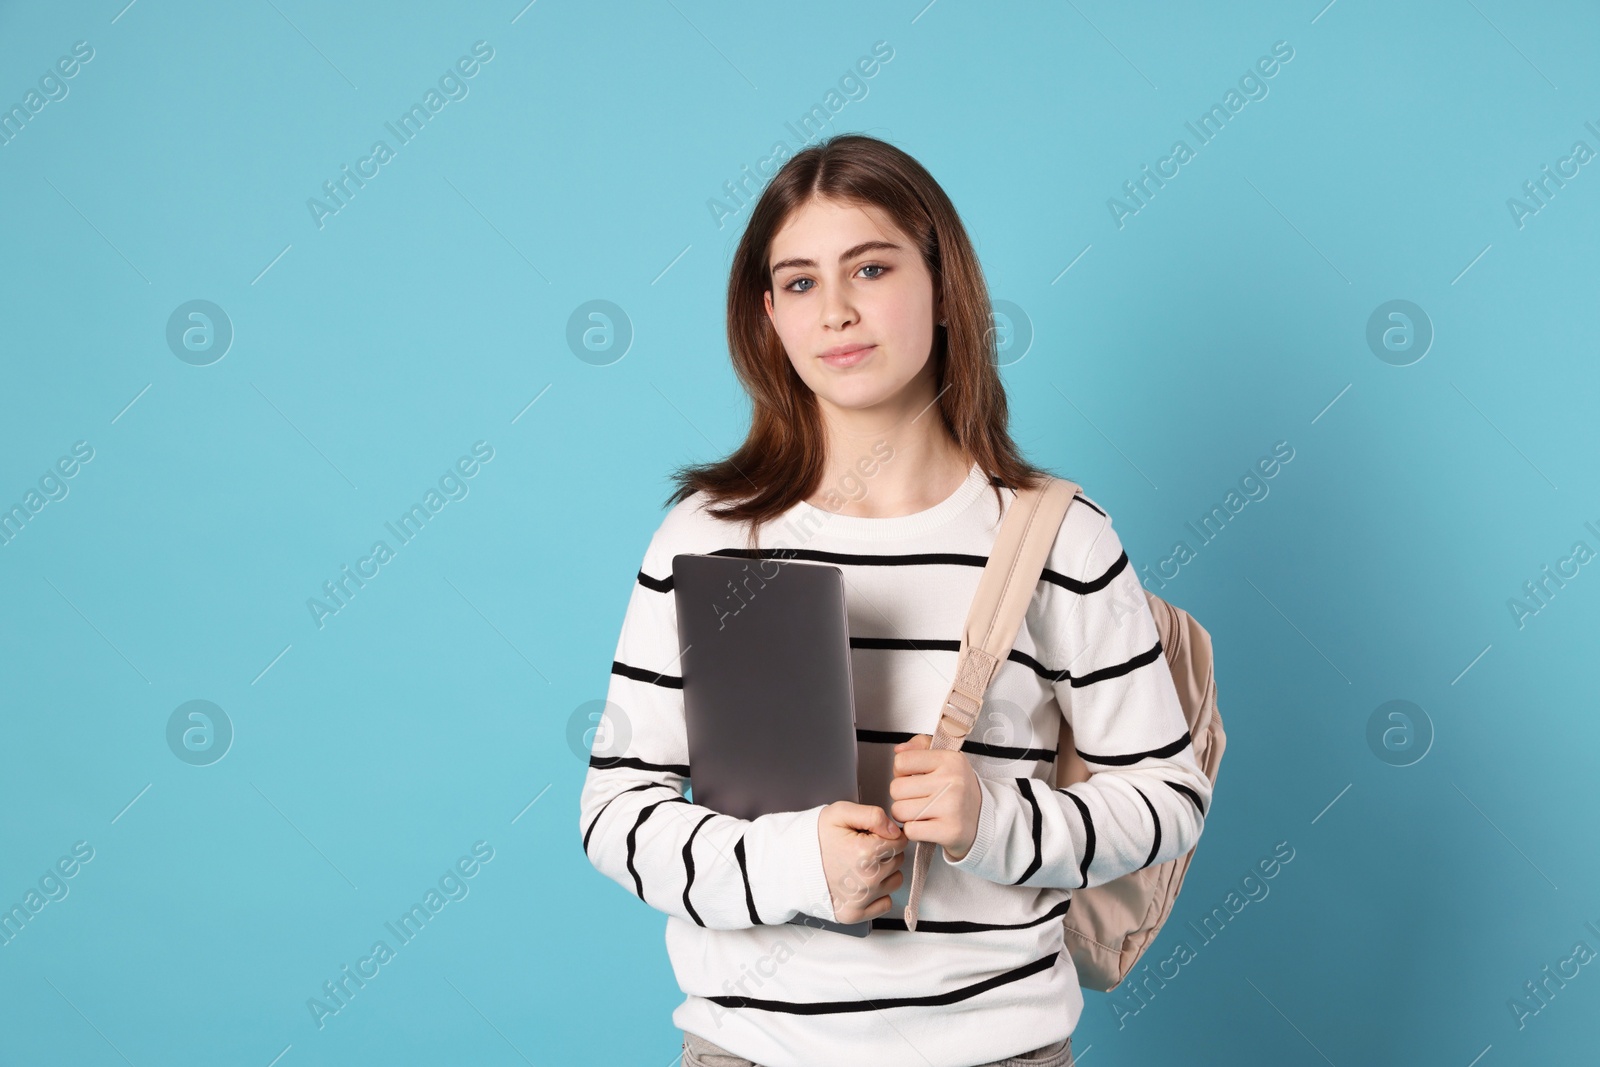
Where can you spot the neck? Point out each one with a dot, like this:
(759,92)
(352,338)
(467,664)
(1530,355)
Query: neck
(893,459)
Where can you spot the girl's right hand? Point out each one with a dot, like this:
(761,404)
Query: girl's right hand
(862,852)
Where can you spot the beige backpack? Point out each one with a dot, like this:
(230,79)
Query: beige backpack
(1108,926)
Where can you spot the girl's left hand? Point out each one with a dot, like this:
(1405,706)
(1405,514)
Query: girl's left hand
(936,795)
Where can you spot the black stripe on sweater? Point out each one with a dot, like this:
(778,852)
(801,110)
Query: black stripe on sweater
(1092,508)
(1134,757)
(1116,670)
(658,585)
(1194,798)
(607,763)
(907,644)
(945,644)
(906,559)
(744,873)
(960,926)
(631,789)
(688,866)
(633,834)
(1155,846)
(1026,785)
(1079,496)
(1008,753)
(1088,836)
(879,737)
(1093,585)
(835,1007)
(640,674)
(971,747)
(930,644)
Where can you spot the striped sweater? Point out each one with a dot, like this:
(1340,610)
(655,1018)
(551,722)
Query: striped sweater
(986,974)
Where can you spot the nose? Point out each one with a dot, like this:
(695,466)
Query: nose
(837,309)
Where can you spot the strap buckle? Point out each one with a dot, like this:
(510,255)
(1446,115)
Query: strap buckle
(965,699)
(959,715)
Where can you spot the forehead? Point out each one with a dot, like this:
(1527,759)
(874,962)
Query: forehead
(821,229)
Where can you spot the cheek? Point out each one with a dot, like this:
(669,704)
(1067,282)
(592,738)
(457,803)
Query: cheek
(791,332)
(910,343)
(810,374)
(794,344)
(907,320)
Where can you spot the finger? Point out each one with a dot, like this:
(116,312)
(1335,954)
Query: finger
(865,817)
(882,825)
(915,818)
(913,786)
(920,807)
(918,761)
(876,872)
(888,855)
(916,741)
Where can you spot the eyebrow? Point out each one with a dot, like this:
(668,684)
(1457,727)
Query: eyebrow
(847,254)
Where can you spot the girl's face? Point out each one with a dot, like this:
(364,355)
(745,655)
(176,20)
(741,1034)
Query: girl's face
(843,278)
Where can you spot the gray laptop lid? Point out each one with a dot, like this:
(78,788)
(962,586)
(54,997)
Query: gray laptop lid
(768,703)
(767,693)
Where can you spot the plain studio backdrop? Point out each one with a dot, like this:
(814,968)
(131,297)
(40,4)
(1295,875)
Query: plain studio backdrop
(244,345)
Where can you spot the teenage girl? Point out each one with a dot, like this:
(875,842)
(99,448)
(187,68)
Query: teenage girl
(860,326)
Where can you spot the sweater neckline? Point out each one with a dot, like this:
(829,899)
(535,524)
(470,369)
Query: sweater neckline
(892,527)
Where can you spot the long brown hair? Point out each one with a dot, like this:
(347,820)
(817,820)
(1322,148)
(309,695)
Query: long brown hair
(781,460)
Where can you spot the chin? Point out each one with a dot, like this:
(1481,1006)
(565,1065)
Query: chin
(857,400)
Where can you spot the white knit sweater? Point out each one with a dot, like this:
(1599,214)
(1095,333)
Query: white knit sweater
(985,975)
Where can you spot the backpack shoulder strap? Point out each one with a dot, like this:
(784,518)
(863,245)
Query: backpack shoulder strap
(1005,589)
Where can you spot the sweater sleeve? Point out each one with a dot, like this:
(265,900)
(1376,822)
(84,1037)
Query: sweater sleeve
(640,830)
(1146,797)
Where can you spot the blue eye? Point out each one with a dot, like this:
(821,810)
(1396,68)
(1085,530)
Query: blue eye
(879,267)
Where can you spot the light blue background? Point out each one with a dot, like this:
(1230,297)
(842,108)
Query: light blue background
(369,354)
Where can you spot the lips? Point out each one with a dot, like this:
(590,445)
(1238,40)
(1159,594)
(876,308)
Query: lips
(850,356)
